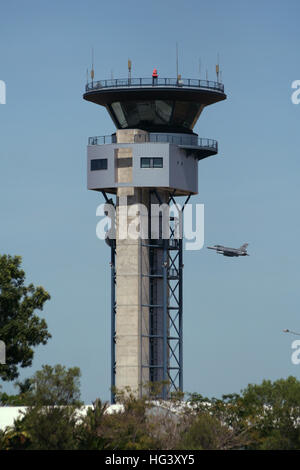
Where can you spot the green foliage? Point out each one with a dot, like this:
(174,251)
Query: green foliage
(220,423)
(89,432)
(51,427)
(204,433)
(55,386)
(53,395)
(50,386)
(265,416)
(276,407)
(12,439)
(20,328)
(12,400)
(128,429)
(21,398)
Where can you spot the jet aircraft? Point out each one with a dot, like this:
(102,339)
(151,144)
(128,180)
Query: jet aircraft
(226,251)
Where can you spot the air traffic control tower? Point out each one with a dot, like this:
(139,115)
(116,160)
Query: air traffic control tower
(152,158)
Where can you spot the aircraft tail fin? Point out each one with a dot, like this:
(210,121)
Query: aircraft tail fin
(244,247)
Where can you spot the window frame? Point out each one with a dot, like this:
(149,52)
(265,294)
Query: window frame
(154,162)
(103,167)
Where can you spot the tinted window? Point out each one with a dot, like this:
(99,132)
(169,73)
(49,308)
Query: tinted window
(156,162)
(153,114)
(145,162)
(137,113)
(99,164)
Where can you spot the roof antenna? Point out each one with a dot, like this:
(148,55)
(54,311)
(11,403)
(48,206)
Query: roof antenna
(199,68)
(218,68)
(129,70)
(92,70)
(206,75)
(177,60)
(178,75)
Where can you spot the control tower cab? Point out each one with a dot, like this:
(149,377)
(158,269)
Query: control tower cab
(162,116)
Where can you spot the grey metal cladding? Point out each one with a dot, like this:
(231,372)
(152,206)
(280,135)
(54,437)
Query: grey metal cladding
(179,170)
(104,178)
(183,170)
(149,177)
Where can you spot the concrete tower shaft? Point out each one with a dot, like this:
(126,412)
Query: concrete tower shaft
(132,270)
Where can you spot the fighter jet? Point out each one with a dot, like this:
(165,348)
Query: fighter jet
(225,251)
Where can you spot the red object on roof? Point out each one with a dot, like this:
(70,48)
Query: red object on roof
(154,73)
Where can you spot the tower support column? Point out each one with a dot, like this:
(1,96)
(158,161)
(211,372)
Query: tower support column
(132,290)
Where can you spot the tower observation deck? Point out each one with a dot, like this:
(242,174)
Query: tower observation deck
(152,158)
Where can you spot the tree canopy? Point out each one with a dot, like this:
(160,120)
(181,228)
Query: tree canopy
(52,397)
(264,416)
(21,328)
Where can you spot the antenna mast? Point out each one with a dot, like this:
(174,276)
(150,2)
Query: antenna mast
(92,70)
(218,68)
(129,70)
(177,60)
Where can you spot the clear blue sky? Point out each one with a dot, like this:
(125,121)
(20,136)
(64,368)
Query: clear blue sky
(234,309)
